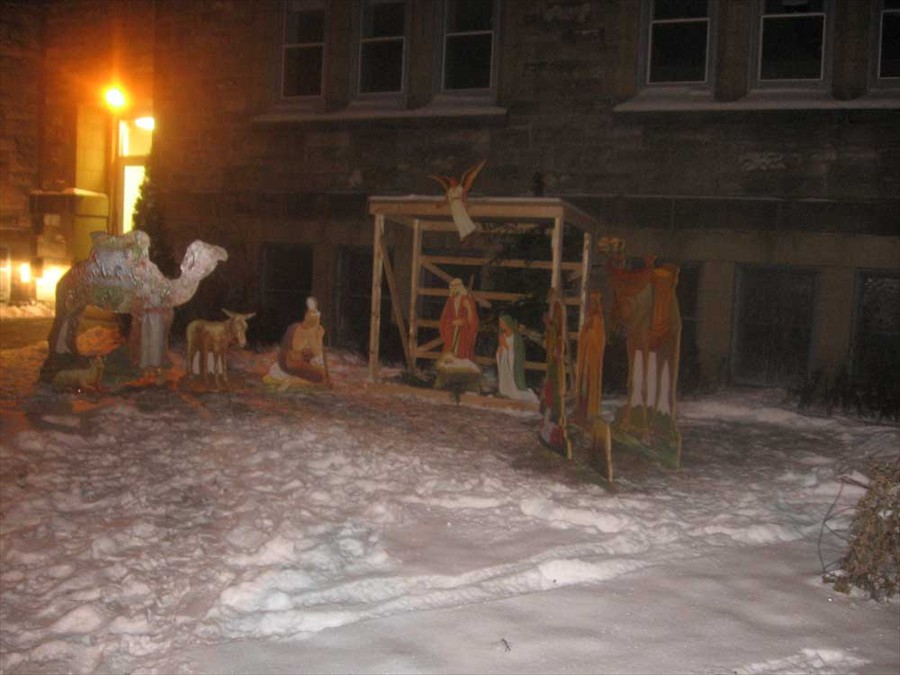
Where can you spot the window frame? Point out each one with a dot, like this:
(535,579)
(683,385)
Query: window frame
(302,99)
(876,80)
(488,93)
(357,62)
(647,24)
(826,67)
(857,334)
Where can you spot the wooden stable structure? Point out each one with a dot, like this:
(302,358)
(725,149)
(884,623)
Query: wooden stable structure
(424,215)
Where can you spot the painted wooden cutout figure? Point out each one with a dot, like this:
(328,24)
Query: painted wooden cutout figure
(302,353)
(457,192)
(554,417)
(119,276)
(589,363)
(589,385)
(80,379)
(511,361)
(459,322)
(456,367)
(208,343)
(646,308)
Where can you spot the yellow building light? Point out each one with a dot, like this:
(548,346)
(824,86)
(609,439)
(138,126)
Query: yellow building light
(25,273)
(45,287)
(145,123)
(115,97)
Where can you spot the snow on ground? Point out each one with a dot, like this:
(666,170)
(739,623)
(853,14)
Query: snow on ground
(26,311)
(351,530)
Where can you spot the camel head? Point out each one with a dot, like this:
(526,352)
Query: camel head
(201,259)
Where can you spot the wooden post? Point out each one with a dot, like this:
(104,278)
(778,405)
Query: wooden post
(415,274)
(375,319)
(395,299)
(556,278)
(586,258)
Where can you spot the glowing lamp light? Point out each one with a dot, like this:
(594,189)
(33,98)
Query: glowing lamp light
(145,123)
(25,273)
(114,97)
(45,287)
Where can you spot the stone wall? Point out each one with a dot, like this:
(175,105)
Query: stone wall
(719,185)
(20,114)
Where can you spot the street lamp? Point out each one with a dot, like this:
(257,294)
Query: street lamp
(115,98)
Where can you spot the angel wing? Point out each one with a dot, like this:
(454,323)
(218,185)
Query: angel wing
(443,180)
(470,175)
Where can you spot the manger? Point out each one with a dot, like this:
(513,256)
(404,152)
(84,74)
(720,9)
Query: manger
(428,224)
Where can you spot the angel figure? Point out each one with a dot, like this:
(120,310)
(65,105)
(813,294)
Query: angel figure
(457,192)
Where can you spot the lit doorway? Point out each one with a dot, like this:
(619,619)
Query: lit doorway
(135,140)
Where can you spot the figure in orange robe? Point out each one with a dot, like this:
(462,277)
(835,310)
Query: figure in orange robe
(459,322)
(589,365)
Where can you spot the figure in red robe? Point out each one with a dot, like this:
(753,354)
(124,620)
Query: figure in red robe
(459,322)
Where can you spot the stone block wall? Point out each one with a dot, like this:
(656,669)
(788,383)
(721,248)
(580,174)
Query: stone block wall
(719,186)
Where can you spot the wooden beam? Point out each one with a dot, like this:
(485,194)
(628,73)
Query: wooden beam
(486,361)
(415,274)
(482,261)
(586,257)
(556,270)
(395,300)
(427,346)
(487,208)
(478,295)
(375,318)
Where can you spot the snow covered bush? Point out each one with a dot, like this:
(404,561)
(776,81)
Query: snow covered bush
(872,562)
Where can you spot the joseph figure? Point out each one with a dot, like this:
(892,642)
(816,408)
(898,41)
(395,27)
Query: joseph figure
(459,322)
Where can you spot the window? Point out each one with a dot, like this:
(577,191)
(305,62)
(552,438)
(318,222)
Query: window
(304,48)
(877,336)
(381,46)
(889,40)
(678,43)
(469,45)
(792,40)
(773,325)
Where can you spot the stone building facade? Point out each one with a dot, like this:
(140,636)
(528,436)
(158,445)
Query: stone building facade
(754,142)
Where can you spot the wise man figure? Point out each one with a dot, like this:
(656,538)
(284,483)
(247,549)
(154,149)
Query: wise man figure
(302,351)
(459,322)
(589,364)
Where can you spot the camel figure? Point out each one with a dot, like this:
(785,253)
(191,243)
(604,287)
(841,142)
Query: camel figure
(646,308)
(119,276)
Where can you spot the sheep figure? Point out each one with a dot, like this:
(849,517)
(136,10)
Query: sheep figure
(81,379)
(208,341)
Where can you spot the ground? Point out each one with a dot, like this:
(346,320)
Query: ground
(168,529)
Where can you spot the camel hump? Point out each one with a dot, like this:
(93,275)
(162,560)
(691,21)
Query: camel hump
(137,241)
(630,282)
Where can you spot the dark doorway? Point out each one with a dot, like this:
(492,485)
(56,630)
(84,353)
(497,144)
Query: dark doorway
(876,348)
(773,325)
(287,272)
(354,303)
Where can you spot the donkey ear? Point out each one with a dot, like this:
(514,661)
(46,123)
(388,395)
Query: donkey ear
(230,314)
(249,316)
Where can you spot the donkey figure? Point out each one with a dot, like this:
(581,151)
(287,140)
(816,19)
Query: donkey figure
(210,340)
(646,308)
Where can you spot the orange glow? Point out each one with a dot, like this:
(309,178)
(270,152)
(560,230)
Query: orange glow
(115,97)
(45,287)
(25,273)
